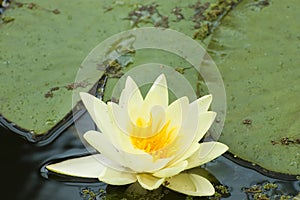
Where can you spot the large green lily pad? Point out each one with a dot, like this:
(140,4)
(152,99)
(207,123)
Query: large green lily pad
(257,50)
(42,45)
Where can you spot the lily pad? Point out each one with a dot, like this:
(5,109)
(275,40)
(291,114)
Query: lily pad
(256,49)
(43,47)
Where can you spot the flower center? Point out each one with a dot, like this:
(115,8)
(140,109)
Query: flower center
(154,143)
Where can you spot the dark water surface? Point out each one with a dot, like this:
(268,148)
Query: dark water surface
(24,178)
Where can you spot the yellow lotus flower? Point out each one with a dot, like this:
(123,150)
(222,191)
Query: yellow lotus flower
(148,141)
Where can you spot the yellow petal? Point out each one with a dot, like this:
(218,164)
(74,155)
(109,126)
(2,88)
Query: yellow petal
(149,182)
(207,152)
(190,184)
(86,167)
(157,95)
(114,177)
(171,171)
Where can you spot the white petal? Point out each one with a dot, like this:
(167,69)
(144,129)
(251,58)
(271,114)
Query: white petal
(171,171)
(149,182)
(176,112)
(188,130)
(202,104)
(158,121)
(86,167)
(157,95)
(131,99)
(141,162)
(185,154)
(205,120)
(207,152)
(197,122)
(120,117)
(193,128)
(190,184)
(130,95)
(112,164)
(144,162)
(100,142)
(98,111)
(118,136)
(114,177)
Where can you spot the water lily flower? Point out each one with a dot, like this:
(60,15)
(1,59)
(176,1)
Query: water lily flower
(147,140)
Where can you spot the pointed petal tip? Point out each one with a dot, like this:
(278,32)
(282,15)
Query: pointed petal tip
(209,96)
(161,79)
(214,114)
(223,146)
(129,80)
(205,188)
(85,167)
(84,95)
(86,98)
(49,167)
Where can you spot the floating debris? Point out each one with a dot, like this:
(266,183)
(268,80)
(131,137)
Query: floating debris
(72,86)
(182,69)
(178,13)
(207,16)
(247,121)
(286,141)
(7,19)
(33,6)
(260,4)
(147,14)
(120,55)
(266,191)
(82,84)
(221,192)
(50,92)
(91,194)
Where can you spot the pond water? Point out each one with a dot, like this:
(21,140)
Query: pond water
(22,166)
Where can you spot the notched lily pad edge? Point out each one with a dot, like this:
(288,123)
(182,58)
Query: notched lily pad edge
(49,136)
(55,131)
(260,169)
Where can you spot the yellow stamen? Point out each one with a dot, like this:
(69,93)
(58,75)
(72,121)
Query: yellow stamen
(155,143)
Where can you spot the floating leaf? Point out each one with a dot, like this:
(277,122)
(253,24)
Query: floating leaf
(42,49)
(257,51)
